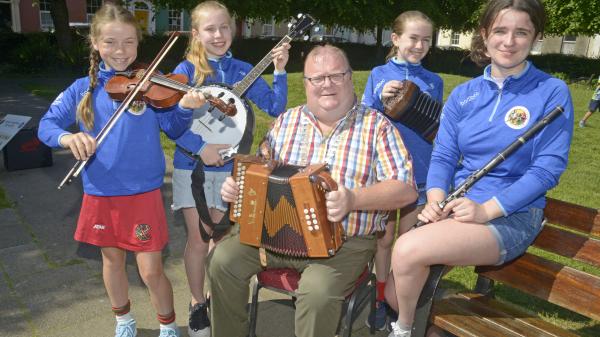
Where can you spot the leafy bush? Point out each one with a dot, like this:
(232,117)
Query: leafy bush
(34,52)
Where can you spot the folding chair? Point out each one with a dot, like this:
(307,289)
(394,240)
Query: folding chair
(285,281)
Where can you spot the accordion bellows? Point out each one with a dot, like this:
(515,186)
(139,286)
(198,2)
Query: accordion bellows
(415,109)
(282,208)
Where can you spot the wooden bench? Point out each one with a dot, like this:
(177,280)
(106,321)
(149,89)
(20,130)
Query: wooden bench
(571,231)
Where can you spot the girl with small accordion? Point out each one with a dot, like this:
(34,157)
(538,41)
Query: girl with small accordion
(412,34)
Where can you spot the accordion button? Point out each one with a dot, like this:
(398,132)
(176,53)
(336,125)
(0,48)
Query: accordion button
(316,227)
(310,228)
(305,211)
(307,217)
(309,223)
(315,221)
(314,216)
(312,210)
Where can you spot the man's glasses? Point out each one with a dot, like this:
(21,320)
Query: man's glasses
(337,78)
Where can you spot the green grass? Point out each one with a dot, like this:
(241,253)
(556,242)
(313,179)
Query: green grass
(579,184)
(46,91)
(4,202)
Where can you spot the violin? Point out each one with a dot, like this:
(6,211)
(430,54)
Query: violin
(161,91)
(128,87)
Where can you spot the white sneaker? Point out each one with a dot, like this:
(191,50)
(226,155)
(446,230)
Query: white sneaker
(169,332)
(126,329)
(397,331)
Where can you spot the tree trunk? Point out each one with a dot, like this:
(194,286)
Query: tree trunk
(60,18)
(379,36)
(379,54)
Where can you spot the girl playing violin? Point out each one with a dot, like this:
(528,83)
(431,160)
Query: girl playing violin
(122,206)
(208,60)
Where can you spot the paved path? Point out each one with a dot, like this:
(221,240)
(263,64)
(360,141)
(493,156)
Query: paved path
(47,289)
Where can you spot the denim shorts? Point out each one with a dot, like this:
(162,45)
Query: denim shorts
(516,232)
(422,198)
(182,189)
(594,105)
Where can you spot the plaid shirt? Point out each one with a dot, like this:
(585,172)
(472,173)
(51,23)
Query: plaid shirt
(363,148)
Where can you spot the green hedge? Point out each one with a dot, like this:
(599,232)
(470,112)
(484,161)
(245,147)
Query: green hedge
(37,52)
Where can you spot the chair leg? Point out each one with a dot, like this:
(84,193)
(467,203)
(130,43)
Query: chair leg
(254,310)
(373,291)
(347,324)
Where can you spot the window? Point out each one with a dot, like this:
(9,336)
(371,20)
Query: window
(46,22)
(537,47)
(568,44)
(175,20)
(92,6)
(268,29)
(455,38)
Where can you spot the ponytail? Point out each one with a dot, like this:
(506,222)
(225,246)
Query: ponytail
(85,112)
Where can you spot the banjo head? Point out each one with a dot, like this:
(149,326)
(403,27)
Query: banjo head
(215,127)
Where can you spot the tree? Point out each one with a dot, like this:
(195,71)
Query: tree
(60,18)
(572,17)
(565,16)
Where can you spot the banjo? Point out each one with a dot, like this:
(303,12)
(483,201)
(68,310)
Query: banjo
(222,127)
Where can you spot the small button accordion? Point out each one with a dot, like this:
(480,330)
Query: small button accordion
(415,109)
(282,208)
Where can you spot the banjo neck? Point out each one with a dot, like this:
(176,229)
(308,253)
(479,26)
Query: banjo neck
(240,87)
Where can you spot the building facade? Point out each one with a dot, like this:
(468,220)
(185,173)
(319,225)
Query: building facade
(585,46)
(26,16)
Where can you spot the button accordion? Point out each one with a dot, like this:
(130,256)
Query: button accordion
(282,208)
(415,109)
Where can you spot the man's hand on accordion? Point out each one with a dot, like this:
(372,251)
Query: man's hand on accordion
(339,203)
(229,190)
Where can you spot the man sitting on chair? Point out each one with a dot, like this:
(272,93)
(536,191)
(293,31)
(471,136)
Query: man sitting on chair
(367,159)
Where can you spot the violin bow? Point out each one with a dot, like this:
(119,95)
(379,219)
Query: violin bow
(80,164)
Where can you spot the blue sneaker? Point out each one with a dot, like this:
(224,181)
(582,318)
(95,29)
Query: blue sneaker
(379,319)
(126,329)
(168,332)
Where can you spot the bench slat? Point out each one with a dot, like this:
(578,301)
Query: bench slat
(568,244)
(548,280)
(472,314)
(573,216)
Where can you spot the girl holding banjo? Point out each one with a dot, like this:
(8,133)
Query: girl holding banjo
(502,213)
(208,60)
(412,34)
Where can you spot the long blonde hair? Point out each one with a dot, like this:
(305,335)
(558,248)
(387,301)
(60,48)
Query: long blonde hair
(400,23)
(196,52)
(108,13)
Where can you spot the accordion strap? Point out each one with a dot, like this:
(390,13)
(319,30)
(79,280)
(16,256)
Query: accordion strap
(218,229)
